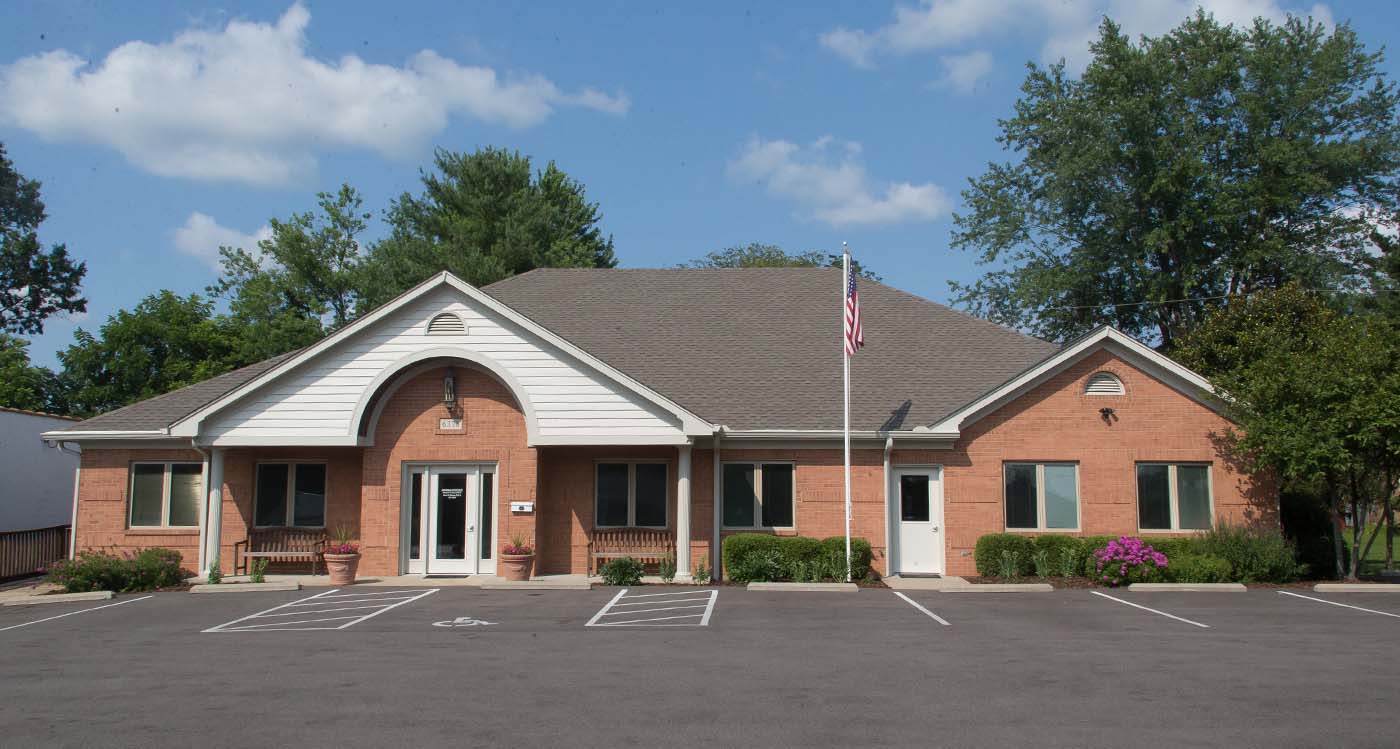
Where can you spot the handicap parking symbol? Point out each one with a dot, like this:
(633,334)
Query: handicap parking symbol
(464,621)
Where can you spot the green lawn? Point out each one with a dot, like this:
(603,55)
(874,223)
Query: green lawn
(1374,561)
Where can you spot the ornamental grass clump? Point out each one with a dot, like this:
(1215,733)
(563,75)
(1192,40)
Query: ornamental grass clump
(1128,559)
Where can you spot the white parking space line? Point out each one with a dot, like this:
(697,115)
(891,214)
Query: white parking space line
(1343,605)
(73,613)
(1155,611)
(931,615)
(659,602)
(270,620)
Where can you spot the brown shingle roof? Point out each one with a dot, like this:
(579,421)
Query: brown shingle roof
(760,348)
(163,410)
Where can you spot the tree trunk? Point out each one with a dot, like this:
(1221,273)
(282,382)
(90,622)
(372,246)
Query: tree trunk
(1339,527)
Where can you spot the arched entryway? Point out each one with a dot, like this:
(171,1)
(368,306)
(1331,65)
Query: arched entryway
(447,450)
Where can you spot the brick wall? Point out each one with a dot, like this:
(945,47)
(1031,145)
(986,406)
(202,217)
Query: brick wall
(493,432)
(103,495)
(1057,422)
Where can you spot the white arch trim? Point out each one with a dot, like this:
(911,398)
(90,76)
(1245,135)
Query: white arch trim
(404,369)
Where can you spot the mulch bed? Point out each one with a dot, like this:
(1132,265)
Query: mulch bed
(1055,582)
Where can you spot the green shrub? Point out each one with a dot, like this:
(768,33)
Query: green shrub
(1056,548)
(1071,565)
(1040,561)
(259,572)
(99,570)
(759,557)
(622,571)
(216,573)
(1197,568)
(1176,547)
(701,576)
(1009,565)
(988,553)
(1255,555)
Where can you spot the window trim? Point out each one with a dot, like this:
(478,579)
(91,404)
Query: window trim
(291,492)
(167,480)
(1173,505)
(758,495)
(1040,526)
(632,464)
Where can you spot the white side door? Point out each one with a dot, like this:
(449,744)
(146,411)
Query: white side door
(918,506)
(451,537)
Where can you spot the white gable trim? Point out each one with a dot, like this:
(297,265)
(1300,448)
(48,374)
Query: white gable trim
(691,425)
(1123,345)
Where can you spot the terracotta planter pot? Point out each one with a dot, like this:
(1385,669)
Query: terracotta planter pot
(516,567)
(342,567)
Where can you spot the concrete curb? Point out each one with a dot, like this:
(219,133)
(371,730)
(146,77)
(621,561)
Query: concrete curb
(1187,587)
(537,585)
(999,588)
(96,595)
(1356,588)
(805,587)
(244,587)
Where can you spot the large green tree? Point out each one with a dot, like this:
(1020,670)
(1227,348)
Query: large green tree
(23,385)
(1316,395)
(166,342)
(485,216)
(305,279)
(759,255)
(1209,162)
(34,283)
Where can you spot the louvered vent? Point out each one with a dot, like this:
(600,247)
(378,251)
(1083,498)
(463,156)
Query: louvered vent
(446,324)
(1103,383)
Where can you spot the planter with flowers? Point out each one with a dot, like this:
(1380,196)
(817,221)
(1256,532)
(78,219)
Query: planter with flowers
(342,557)
(517,559)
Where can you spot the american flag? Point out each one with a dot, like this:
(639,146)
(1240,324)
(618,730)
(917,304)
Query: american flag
(855,336)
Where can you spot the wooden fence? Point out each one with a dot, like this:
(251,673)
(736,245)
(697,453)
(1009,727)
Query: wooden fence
(24,552)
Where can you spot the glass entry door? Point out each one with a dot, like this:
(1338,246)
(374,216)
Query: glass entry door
(450,525)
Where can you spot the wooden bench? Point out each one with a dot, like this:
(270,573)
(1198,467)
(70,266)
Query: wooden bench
(642,544)
(280,544)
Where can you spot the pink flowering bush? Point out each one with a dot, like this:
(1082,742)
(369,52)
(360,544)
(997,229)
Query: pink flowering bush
(1128,559)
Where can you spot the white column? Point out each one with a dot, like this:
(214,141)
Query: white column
(213,522)
(683,513)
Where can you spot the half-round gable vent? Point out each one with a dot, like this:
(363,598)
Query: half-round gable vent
(446,324)
(1104,383)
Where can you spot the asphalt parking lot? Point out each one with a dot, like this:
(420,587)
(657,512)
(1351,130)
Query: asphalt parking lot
(467,667)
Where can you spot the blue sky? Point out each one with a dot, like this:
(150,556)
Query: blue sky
(161,129)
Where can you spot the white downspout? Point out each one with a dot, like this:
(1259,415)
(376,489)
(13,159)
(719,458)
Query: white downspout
(889,516)
(77,481)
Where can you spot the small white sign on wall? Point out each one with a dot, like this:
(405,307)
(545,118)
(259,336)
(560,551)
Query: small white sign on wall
(522,506)
(450,424)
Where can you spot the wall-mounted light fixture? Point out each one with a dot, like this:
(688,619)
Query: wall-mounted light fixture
(1109,415)
(449,390)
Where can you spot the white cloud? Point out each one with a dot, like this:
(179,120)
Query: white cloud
(828,181)
(1066,26)
(248,103)
(962,73)
(202,236)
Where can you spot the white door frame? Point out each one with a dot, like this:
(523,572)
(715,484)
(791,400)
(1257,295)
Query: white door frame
(935,474)
(427,564)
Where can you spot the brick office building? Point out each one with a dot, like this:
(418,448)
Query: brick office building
(696,403)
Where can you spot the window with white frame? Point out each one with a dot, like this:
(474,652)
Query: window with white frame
(630,495)
(1042,496)
(165,495)
(1173,496)
(758,495)
(290,495)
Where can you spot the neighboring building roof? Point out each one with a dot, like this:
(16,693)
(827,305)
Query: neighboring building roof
(751,349)
(27,412)
(760,348)
(155,414)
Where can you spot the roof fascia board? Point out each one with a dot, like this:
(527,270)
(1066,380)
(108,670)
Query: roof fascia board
(189,425)
(1134,351)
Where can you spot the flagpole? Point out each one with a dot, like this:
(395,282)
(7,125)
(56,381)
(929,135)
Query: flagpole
(846,400)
